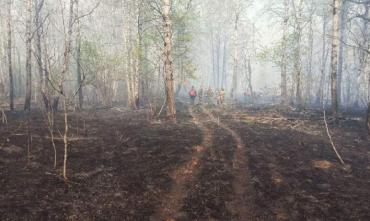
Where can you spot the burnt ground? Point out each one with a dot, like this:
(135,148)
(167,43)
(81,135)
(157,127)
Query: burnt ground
(212,164)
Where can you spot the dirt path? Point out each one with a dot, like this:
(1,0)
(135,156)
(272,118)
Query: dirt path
(172,202)
(242,203)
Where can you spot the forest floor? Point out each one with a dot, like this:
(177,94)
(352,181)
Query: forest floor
(235,163)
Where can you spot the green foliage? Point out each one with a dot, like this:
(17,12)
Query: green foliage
(94,60)
(183,18)
(274,54)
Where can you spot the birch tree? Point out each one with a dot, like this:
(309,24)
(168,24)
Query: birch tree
(342,37)
(310,53)
(39,4)
(78,60)
(168,70)
(9,53)
(334,55)
(65,70)
(237,9)
(284,92)
(132,44)
(324,55)
(27,103)
(298,15)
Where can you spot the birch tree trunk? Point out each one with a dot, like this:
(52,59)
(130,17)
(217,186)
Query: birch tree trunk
(46,63)
(133,46)
(250,87)
(362,57)
(236,54)
(128,51)
(284,90)
(130,93)
(78,60)
(366,46)
(320,92)
(218,49)
(27,103)
(348,81)
(18,78)
(224,61)
(138,56)
(334,56)
(368,74)
(67,47)
(168,71)
(213,59)
(65,70)
(343,17)
(9,50)
(297,53)
(310,59)
(368,118)
(38,7)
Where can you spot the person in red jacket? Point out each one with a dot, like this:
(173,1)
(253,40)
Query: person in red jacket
(192,95)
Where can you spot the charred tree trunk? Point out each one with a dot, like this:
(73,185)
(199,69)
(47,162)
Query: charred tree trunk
(9,50)
(168,71)
(27,103)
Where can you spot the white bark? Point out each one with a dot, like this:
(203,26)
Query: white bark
(168,71)
(334,55)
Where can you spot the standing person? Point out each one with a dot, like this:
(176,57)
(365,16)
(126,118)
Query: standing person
(200,94)
(192,95)
(209,95)
(221,97)
(247,96)
(217,95)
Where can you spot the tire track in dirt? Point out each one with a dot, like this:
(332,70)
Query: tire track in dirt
(171,203)
(242,203)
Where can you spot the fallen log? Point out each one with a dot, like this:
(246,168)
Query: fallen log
(331,140)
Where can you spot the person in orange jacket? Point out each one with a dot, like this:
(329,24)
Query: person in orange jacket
(192,95)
